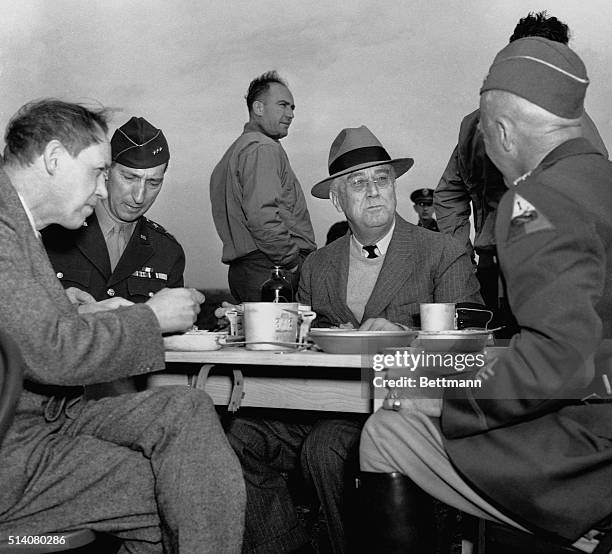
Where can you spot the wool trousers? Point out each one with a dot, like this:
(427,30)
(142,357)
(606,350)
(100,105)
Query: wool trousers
(152,468)
(324,450)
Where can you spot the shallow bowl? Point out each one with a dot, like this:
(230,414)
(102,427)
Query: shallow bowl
(452,341)
(351,341)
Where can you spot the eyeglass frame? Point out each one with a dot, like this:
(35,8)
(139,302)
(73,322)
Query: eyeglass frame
(367,180)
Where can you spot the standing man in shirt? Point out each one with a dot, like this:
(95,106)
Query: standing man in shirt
(120,253)
(423,206)
(258,205)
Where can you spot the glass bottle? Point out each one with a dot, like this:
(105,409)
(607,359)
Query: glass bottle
(277,288)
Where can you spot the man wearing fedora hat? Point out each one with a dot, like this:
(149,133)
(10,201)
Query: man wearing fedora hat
(373,278)
(423,206)
(119,256)
(530,444)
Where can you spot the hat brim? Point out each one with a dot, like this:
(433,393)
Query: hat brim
(400,165)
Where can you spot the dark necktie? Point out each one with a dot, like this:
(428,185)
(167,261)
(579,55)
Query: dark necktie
(371,250)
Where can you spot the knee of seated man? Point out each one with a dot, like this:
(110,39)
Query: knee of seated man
(185,399)
(330,443)
(371,432)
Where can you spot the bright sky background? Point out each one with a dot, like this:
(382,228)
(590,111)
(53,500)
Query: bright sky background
(408,70)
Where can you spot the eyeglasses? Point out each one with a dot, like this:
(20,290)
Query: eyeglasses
(359,183)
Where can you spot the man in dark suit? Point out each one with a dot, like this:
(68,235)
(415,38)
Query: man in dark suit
(373,279)
(119,253)
(530,444)
(152,468)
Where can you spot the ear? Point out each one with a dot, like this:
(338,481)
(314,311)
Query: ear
(52,153)
(505,131)
(258,107)
(333,196)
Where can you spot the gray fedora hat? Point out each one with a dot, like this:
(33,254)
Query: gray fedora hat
(353,149)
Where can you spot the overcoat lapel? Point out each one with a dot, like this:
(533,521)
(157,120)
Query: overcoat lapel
(397,268)
(335,280)
(35,251)
(89,241)
(135,255)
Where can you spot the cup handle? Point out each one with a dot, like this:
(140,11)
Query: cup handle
(306,319)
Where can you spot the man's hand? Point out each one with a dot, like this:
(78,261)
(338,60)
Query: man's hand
(176,309)
(431,407)
(104,305)
(379,324)
(225,307)
(79,297)
(87,303)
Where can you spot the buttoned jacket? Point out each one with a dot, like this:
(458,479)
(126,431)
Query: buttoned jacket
(152,260)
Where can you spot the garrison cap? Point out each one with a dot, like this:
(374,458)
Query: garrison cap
(139,145)
(544,72)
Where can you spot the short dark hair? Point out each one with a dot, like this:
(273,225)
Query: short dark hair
(39,122)
(260,85)
(541,25)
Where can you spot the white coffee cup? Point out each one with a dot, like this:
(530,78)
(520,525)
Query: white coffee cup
(438,316)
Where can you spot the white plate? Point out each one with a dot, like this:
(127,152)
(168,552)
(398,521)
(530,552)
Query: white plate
(193,341)
(456,332)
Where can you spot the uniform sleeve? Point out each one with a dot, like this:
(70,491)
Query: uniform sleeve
(452,204)
(175,277)
(555,267)
(455,280)
(62,347)
(261,178)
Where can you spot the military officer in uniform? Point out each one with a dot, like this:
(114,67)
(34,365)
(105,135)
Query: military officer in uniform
(530,444)
(423,206)
(119,253)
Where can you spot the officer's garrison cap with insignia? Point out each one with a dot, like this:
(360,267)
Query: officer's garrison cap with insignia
(139,145)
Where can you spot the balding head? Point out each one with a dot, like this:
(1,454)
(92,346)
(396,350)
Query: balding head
(518,134)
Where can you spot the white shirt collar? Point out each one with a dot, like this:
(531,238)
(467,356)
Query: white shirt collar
(30,216)
(381,246)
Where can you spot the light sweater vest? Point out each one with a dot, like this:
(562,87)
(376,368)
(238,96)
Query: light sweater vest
(362,275)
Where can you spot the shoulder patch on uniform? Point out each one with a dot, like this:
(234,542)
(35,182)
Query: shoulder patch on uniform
(526,218)
(159,228)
